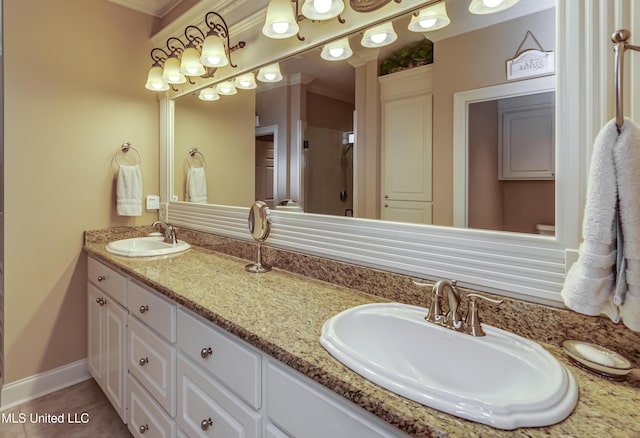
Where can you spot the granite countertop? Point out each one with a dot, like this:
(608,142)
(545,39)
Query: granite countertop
(282,314)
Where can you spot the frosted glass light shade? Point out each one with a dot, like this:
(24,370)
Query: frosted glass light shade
(190,64)
(213,52)
(379,36)
(432,18)
(154,80)
(226,88)
(483,7)
(270,73)
(246,81)
(208,94)
(171,71)
(322,9)
(281,21)
(337,50)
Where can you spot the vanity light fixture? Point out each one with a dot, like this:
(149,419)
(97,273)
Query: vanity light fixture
(337,50)
(379,36)
(431,18)
(208,94)
(226,88)
(190,60)
(281,22)
(180,61)
(246,81)
(154,79)
(482,7)
(171,71)
(283,15)
(270,73)
(322,9)
(214,52)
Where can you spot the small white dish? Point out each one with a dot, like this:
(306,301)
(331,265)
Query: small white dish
(597,359)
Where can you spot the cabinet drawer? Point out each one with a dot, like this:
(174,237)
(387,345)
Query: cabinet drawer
(217,352)
(108,280)
(207,409)
(157,312)
(146,418)
(153,362)
(301,409)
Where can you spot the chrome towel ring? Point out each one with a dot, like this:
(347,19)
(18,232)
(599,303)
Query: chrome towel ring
(124,149)
(193,153)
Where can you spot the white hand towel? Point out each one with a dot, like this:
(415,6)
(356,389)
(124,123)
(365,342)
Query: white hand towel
(196,185)
(626,155)
(589,283)
(609,256)
(129,191)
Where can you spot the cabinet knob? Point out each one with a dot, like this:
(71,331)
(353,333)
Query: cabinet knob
(386,196)
(206,352)
(101,301)
(101,278)
(144,428)
(206,423)
(143,361)
(144,309)
(386,205)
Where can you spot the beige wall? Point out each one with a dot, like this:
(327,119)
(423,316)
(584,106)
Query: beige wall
(467,62)
(326,112)
(74,92)
(223,131)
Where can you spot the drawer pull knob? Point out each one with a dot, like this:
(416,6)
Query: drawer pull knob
(143,361)
(101,301)
(101,278)
(144,428)
(144,309)
(206,423)
(206,352)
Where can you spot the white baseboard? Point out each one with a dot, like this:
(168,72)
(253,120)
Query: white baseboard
(29,388)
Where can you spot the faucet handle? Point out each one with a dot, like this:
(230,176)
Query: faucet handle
(472,324)
(421,284)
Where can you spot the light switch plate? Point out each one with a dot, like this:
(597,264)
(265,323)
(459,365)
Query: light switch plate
(153,202)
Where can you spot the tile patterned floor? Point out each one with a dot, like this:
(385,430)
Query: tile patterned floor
(85,410)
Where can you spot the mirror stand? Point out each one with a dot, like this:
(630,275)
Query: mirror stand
(259,227)
(258,266)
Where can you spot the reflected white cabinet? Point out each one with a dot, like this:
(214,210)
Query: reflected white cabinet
(406,145)
(106,337)
(526,137)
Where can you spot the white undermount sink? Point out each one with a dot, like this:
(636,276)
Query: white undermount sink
(501,379)
(146,247)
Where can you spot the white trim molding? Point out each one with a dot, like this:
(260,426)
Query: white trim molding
(29,388)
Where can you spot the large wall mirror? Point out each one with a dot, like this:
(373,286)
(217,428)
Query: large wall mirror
(521,263)
(246,138)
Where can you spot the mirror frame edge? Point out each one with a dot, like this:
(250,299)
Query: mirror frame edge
(544,259)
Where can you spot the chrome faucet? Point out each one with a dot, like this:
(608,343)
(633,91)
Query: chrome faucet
(453,318)
(167,230)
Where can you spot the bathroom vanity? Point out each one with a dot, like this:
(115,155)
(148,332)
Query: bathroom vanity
(200,347)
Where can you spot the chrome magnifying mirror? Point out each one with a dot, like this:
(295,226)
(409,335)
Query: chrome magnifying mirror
(259,227)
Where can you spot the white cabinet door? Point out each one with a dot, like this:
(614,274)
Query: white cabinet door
(301,408)
(527,140)
(106,346)
(146,417)
(115,374)
(95,337)
(206,408)
(153,362)
(407,148)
